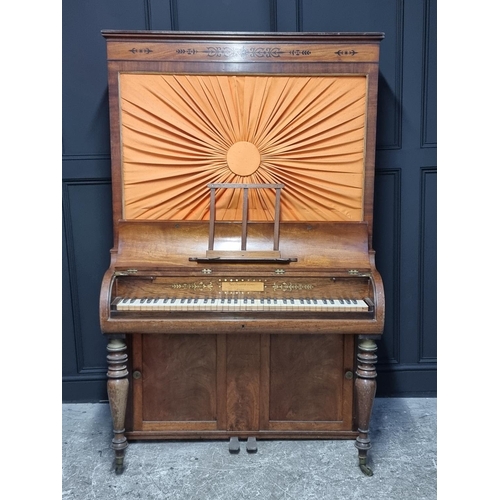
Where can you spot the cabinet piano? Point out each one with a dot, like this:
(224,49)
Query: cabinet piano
(242,301)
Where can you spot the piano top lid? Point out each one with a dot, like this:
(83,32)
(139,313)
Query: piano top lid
(316,246)
(337,36)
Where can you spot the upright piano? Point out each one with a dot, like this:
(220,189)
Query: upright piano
(242,301)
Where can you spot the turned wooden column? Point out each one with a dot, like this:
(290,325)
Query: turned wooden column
(117,394)
(365,387)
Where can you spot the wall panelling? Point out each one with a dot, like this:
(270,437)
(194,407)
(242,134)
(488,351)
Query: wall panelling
(405,186)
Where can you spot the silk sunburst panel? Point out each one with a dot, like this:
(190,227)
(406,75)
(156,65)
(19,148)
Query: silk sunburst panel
(182,132)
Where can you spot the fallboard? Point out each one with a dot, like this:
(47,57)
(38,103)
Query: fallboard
(357,286)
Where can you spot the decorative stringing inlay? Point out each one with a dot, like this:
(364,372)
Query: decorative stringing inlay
(140,51)
(194,286)
(244,52)
(288,287)
(346,52)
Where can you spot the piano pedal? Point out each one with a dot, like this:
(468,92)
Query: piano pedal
(252,445)
(234,445)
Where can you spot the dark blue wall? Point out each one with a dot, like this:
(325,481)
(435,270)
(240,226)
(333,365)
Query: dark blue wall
(405,188)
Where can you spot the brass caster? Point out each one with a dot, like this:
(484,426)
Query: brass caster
(119,467)
(366,470)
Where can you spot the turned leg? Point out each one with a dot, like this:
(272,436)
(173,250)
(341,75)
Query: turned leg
(365,387)
(117,395)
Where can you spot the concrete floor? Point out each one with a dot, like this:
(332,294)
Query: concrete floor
(403,459)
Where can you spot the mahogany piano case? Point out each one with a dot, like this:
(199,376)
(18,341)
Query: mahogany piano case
(242,299)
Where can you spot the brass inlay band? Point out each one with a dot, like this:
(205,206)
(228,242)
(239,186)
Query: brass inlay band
(288,287)
(265,52)
(194,286)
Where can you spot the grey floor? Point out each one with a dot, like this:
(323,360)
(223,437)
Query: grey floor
(403,459)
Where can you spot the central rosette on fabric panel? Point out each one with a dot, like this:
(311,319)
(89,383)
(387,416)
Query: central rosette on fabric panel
(243,158)
(182,132)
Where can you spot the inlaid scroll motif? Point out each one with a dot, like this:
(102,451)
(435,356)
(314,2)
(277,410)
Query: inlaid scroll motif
(140,51)
(202,285)
(189,52)
(300,52)
(256,52)
(289,287)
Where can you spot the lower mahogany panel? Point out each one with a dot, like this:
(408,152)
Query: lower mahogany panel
(215,386)
(179,377)
(306,379)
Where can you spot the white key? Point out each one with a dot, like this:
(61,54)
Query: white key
(154,304)
(175,305)
(134,305)
(252,305)
(361,305)
(122,305)
(342,306)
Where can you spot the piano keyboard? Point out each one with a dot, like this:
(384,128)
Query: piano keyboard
(240,305)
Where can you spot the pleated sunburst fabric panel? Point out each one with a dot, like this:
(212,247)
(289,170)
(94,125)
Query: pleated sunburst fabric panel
(182,132)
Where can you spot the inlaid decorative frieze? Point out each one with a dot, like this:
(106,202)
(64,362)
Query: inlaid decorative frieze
(290,287)
(200,285)
(244,52)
